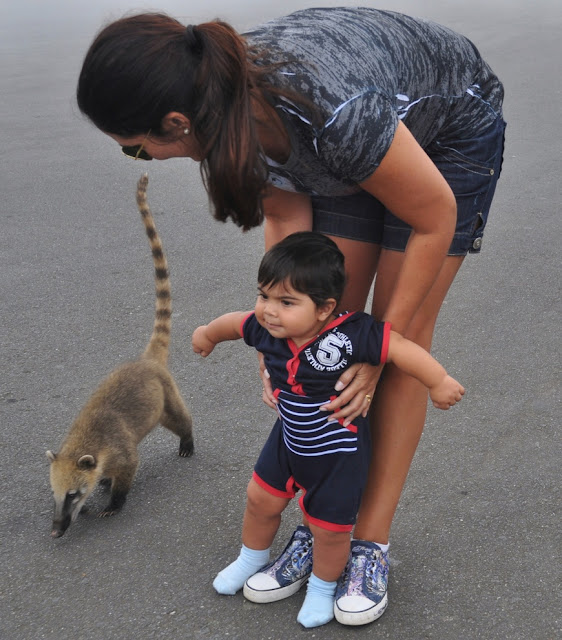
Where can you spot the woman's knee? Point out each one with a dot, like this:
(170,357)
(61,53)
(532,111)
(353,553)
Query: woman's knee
(422,324)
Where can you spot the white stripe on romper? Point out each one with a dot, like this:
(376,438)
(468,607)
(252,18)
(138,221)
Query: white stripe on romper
(307,431)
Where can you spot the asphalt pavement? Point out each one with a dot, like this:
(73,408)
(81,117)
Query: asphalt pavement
(476,542)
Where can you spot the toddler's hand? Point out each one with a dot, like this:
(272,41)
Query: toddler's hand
(447,393)
(201,344)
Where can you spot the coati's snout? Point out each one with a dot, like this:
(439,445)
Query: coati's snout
(61,521)
(72,482)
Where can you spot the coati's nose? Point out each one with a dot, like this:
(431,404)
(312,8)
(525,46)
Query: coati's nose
(59,527)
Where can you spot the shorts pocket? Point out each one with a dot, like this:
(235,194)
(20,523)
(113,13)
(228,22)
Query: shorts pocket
(469,166)
(455,157)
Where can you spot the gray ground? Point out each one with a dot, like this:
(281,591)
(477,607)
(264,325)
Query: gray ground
(476,541)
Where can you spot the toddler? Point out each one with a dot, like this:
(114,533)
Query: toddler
(307,346)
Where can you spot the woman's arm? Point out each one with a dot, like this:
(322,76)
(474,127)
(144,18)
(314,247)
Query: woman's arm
(410,185)
(285,212)
(226,327)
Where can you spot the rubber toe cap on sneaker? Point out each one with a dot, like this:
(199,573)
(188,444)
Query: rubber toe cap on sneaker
(262,582)
(357,610)
(262,588)
(355,603)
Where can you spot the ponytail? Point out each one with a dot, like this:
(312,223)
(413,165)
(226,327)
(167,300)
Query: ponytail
(140,68)
(233,169)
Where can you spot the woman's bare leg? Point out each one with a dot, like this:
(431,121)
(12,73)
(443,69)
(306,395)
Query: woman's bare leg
(400,405)
(361,259)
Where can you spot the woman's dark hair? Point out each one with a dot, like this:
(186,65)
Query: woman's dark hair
(310,262)
(140,68)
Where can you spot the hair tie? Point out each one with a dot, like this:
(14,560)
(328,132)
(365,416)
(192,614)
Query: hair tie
(193,39)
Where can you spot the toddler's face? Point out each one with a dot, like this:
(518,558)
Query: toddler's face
(286,313)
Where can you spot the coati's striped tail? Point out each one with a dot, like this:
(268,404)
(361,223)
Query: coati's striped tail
(157,348)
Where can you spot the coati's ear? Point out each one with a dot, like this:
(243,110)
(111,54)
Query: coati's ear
(51,457)
(86,462)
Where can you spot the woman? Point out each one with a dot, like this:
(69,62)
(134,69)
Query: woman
(382,131)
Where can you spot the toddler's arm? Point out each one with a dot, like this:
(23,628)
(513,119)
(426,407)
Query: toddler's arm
(444,391)
(226,327)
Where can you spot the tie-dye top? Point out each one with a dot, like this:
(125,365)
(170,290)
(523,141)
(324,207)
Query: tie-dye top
(364,70)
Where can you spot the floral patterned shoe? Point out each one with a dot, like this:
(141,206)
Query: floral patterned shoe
(361,595)
(286,575)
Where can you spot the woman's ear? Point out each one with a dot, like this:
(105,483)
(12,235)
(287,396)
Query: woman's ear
(325,310)
(176,121)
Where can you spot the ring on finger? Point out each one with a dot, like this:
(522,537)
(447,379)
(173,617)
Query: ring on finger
(368,397)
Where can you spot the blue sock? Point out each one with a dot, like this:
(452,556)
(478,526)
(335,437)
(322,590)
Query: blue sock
(318,606)
(232,578)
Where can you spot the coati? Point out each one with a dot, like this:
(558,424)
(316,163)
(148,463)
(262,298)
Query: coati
(102,442)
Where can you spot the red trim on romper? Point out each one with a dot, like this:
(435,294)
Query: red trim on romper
(244,320)
(322,524)
(272,490)
(291,486)
(385,341)
(349,427)
(292,367)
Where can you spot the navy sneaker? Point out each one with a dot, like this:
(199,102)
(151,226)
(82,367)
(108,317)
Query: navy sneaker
(361,594)
(286,575)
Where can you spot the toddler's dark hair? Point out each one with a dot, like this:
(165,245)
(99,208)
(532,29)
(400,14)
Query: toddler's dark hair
(310,262)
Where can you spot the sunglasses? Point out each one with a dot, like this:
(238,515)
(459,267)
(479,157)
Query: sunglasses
(136,151)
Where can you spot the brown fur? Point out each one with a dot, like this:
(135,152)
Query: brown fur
(127,405)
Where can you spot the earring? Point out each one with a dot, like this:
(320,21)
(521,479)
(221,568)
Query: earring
(186,131)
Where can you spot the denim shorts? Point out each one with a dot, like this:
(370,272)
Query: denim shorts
(471,167)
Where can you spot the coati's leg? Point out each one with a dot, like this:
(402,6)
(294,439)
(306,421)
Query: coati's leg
(120,486)
(177,419)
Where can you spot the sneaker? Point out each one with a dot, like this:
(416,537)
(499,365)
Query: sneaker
(361,595)
(286,575)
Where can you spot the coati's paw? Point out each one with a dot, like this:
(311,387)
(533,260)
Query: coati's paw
(186,447)
(108,512)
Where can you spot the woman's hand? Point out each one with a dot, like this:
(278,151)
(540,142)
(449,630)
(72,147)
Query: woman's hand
(267,395)
(358,383)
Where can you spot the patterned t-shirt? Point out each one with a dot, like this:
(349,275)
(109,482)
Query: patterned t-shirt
(364,70)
